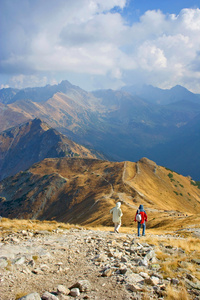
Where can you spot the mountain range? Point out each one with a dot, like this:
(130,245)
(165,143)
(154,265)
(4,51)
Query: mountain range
(126,124)
(162,96)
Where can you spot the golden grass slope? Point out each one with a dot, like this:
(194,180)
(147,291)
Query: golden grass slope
(161,188)
(82,191)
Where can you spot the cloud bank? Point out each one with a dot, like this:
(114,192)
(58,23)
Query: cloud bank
(90,43)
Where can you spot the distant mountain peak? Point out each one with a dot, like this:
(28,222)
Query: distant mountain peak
(65,83)
(180,88)
(157,95)
(36,94)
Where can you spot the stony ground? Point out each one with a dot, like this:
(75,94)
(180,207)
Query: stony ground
(83,264)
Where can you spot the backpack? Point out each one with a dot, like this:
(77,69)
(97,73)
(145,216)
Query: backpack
(138,216)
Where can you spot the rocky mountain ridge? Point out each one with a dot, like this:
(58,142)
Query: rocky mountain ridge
(37,94)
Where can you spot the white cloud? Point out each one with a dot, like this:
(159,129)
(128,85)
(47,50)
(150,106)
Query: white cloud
(190,20)
(21,81)
(102,28)
(4,86)
(85,37)
(151,57)
(165,46)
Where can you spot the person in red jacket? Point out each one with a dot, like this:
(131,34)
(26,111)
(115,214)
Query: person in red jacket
(143,214)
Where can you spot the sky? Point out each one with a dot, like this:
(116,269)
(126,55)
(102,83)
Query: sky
(100,44)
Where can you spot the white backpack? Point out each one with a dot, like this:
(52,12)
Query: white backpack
(138,216)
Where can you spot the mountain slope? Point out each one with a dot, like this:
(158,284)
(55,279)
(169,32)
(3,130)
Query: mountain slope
(82,191)
(97,123)
(6,95)
(10,117)
(31,142)
(182,153)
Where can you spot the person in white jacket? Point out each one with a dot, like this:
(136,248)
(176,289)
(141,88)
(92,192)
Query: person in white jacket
(117,214)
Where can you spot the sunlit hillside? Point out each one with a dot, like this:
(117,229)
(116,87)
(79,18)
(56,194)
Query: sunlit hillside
(82,191)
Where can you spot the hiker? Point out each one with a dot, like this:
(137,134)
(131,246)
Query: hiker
(141,219)
(117,214)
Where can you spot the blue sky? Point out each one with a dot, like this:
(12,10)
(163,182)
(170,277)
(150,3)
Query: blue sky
(100,43)
(136,8)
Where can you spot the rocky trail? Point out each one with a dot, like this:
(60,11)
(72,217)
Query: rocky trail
(78,263)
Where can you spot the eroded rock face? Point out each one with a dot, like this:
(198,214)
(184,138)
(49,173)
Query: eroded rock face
(84,264)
